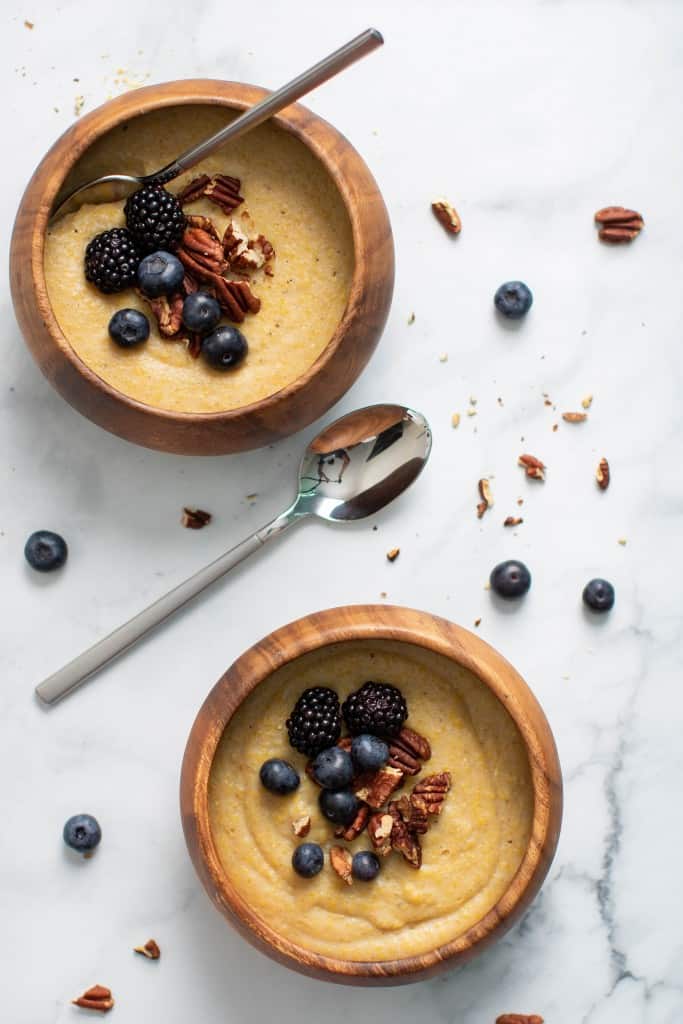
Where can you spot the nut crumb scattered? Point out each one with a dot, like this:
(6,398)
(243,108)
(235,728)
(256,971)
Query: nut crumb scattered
(443,358)
(622,541)
(411,319)
(487,585)
(520,501)
(393,554)
(500,401)
(512,521)
(98,998)
(301,826)
(473,400)
(477,623)
(150,950)
(195,518)
(471,412)
(486,497)
(587,401)
(602,474)
(533,467)
(447,216)
(78,105)
(252,497)
(574,417)
(555,427)
(382,593)
(455,420)
(29,24)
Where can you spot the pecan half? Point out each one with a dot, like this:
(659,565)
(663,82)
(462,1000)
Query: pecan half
(519,1018)
(96,998)
(375,788)
(574,417)
(380,826)
(341,861)
(413,811)
(235,298)
(447,216)
(618,234)
(198,220)
(432,790)
(224,191)
(617,215)
(301,826)
(195,518)
(352,831)
(404,841)
(201,252)
(512,521)
(408,750)
(150,950)
(602,474)
(193,190)
(533,467)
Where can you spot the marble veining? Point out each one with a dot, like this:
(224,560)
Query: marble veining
(528,119)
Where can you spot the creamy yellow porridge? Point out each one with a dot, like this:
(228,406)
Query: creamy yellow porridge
(470,853)
(289,198)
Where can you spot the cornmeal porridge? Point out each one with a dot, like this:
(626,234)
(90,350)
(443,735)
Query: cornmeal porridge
(288,197)
(470,853)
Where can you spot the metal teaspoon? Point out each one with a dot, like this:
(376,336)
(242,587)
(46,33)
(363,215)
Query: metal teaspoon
(116,186)
(352,469)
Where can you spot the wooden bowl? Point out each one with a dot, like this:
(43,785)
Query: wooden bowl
(372,622)
(262,422)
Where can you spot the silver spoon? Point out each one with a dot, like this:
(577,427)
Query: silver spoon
(115,186)
(352,469)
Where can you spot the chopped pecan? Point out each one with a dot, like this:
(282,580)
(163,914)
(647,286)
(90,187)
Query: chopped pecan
(413,811)
(432,790)
(512,521)
(587,401)
(404,841)
(380,826)
(224,191)
(602,474)
(150,950)
(345,743)
(486,497)
(375,788)
(574,417)
(408,750)
(341,861)
(519,1018)
(352,831)
(194,344)
(447,216)
(197,220)
(301,826)
(96,998)
(190,285)
(533,467)
(393,554)
(195,518)
(168,310)
(193,190)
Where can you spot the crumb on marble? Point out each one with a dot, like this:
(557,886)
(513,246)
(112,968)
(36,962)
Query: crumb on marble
(455,420)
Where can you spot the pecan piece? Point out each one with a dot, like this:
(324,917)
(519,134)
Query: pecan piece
(235,298)
(193,190)
(375,788)
(533,467)
(408,750)
(602,474)
(352,831)
(512,521)
(413,811)
(618,215)
(301,826)
(168,311)
(619,233)
(380,826)
(194,344)
(341,861)
(224,191)
(96,998)
(447,216)
(519,1018)
(486,497)
(432,790)
(195,518)
(404,841)
(150,950)
(393,554)
(198,220)
(574,417)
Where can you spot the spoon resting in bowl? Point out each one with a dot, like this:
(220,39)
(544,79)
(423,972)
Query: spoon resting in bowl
(352,469)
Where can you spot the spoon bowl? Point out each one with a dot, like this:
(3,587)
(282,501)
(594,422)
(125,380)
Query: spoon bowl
(351,470)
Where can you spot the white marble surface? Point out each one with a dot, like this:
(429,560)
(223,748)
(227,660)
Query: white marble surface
(529,116)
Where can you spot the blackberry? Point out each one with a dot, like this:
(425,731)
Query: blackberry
(376,708)
(154,218)
(111,260)
(315,722)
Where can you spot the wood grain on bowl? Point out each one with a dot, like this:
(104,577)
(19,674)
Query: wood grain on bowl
(264,421)
(372,622)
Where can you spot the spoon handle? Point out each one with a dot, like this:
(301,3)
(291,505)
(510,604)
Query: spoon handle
(100,654)
(352,51)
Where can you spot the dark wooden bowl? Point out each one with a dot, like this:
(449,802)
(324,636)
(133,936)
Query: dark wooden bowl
(251,426)
(368,622)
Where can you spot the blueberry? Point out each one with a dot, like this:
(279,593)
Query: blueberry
(160,273)
(128,327)
(365,866)
(201,312)
(513,299)
(225,347)
(278,776)
(82,833)
(598,595)
(340,806)
(45,551)
(308,860)
(510,579)
(333,768)
(369,752)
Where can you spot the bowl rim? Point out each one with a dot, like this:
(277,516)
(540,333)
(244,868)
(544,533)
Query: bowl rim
(297,120)
(348,624)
